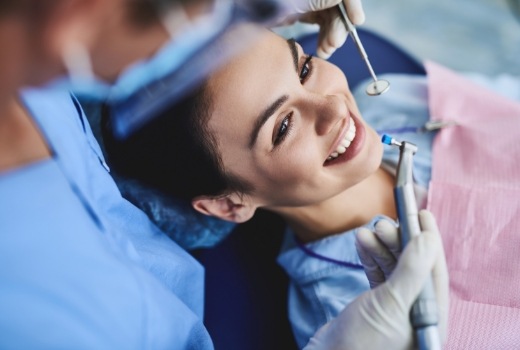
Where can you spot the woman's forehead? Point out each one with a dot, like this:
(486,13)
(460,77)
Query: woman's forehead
(250,70)
(261,44)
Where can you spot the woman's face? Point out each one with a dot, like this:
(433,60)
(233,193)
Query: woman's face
(289,126)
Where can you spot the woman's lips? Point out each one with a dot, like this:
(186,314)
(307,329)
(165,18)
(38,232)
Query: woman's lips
(355,146)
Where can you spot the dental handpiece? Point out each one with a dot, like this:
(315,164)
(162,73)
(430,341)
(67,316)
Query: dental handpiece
(424,314)
(377,86)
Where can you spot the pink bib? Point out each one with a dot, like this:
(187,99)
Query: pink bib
(475,196)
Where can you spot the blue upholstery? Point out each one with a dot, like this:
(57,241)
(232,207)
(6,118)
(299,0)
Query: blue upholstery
(246,290)
(384,56)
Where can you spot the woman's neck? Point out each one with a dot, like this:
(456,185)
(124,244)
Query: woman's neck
(350,209)
(20,140)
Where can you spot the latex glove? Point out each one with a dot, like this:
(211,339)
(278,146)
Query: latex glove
(379,318)
(326,14)
(378,251)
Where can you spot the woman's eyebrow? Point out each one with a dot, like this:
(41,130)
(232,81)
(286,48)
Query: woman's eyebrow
(294,51)
(269,111)
(263,117)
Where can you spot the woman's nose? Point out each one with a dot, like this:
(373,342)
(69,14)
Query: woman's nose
(328,110)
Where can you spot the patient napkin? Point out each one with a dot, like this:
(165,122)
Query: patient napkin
(475,196)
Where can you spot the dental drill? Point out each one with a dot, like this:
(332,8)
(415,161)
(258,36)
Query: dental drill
(424,314)
(377,86)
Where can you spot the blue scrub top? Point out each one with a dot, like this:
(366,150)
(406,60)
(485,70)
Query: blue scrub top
(81,267)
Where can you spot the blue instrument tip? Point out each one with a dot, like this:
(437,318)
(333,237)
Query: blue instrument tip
(386,139)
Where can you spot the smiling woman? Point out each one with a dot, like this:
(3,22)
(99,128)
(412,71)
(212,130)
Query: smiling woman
(280,130)
(275,129)
(278,117)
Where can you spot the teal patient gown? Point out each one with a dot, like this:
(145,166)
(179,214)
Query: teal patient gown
(81,267)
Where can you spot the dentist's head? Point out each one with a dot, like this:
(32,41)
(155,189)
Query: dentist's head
(48,38)
(113,50)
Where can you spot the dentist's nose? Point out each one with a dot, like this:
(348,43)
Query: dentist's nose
(328,110)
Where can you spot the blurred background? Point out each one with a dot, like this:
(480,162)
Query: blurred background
(465,35)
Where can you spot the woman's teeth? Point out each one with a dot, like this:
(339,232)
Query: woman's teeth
(345,143)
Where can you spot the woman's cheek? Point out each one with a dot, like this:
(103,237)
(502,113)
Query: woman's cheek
(297,163)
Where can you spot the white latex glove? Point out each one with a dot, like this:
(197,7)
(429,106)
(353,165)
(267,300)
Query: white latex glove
(378,251)
(325,13)
(379,318)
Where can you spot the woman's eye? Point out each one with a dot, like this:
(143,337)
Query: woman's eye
(283,129)
(306,69)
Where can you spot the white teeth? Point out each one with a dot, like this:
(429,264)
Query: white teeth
(345,143)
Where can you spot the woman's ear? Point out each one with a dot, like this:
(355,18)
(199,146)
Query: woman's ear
(232,207)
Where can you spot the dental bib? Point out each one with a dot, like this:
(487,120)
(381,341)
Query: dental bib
(475,196)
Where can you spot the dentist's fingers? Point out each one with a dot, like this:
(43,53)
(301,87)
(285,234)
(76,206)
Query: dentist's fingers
(387,233)
(326,14)
(377,258)
(373,272)
(355,11)
(332,36)
(337,34)
(319,5)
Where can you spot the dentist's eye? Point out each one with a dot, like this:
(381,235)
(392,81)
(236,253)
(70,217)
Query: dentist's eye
(283,129)
(306,69)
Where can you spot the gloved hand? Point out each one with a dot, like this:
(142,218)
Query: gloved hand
(378,251)
(379,318)
(325,13)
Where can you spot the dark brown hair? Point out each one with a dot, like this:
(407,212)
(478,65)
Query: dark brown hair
(175,152)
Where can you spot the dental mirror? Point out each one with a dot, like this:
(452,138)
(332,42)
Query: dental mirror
(376,87)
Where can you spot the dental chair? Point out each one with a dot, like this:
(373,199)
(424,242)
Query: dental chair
(246,291)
